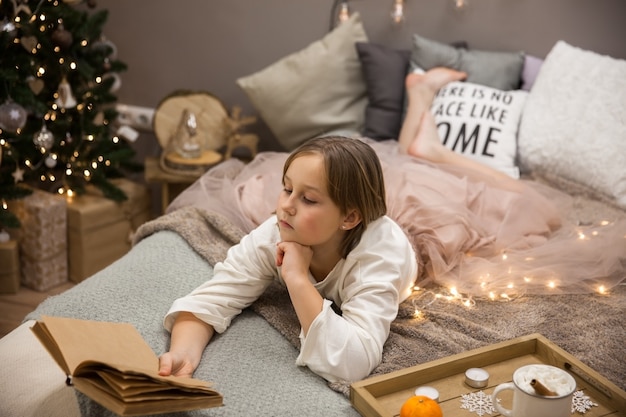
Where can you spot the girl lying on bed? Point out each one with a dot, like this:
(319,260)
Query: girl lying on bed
(348,252)
(329,242)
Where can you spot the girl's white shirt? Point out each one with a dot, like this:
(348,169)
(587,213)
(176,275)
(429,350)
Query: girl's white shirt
(368,286)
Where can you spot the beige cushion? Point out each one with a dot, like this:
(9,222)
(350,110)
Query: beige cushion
(315,90)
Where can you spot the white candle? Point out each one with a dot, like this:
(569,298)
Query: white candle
(476,377)
(429,392)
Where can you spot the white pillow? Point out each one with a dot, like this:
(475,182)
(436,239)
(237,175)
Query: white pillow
(574,122)
(480,122)
(313,91)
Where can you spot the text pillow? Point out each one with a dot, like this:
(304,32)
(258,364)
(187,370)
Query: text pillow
(480,122)
(574,123)
(315,90)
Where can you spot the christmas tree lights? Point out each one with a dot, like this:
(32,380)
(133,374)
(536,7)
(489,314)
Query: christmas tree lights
(58,75)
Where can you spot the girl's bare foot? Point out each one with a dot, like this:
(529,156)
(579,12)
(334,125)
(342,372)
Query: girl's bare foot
(421,90)
(427,144)
(434,78)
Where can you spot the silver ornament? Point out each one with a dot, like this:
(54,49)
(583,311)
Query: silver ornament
(44,138)
(51,162)
(12,116)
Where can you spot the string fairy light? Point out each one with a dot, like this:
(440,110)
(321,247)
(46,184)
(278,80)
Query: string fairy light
(340,12)
(397,11)
(453,295)
(461,4)
(344,12)
(418,312)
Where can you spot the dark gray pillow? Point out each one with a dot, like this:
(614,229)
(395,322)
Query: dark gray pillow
(384,70)
(502,70)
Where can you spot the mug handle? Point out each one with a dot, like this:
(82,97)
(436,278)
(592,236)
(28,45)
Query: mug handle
(494,398)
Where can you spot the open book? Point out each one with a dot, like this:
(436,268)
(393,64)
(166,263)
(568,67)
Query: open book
(113,365)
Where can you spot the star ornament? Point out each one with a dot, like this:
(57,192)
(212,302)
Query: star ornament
(18,175)
(7,26)
(15,114)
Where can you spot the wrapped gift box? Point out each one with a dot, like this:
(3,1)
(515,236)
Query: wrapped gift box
(42,239)
(100,230)
(10,271)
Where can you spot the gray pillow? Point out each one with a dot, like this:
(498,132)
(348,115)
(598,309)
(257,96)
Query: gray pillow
(500,70)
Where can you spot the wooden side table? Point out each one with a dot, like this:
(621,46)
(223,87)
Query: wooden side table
(171,184)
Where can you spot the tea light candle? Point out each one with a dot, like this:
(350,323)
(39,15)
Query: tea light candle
(476,377)
(430,392)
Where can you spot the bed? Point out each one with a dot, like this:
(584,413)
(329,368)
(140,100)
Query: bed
(253,363)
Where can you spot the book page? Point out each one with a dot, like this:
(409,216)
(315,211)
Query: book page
(146,404)
(51,346)
(81,341)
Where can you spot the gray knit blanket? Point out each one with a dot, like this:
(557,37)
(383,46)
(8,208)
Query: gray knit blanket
(589,326)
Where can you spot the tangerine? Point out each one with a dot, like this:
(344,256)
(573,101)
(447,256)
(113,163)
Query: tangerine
(421,406)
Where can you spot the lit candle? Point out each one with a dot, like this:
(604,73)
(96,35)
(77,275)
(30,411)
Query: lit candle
(429,392)
(476,377)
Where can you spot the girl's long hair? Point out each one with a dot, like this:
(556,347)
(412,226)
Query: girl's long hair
(354,179)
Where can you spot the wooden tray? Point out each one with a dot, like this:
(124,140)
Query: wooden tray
(383,396)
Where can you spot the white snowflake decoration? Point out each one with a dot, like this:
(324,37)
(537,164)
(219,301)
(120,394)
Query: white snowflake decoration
(581,402)
(477,402)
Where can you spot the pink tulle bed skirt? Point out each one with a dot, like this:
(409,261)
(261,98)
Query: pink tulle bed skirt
(470,232)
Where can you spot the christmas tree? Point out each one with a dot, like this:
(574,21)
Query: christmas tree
(58,74)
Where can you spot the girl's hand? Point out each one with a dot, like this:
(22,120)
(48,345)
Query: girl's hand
(173,363)
(190,336)
(294,259)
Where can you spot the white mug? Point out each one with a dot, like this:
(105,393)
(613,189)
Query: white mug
(528,403)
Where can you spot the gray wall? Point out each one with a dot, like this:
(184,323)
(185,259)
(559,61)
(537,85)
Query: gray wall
(207,44)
